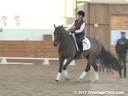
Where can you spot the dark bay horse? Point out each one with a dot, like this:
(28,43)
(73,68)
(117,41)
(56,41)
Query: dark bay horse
(67,50)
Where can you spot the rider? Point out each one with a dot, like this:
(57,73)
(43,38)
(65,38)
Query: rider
(77,27)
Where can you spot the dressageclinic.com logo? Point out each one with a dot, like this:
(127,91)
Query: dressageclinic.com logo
(98,93)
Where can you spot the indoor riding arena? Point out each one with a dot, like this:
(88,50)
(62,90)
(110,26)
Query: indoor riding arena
(31,63)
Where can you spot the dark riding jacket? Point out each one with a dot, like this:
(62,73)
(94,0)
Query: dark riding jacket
(77,27)
(122,46)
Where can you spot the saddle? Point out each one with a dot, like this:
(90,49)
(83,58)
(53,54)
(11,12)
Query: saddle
(86,44)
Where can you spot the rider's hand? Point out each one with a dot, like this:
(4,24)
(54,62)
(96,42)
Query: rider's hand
(72,31)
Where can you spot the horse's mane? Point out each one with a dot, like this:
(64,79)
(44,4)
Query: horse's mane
(62,29)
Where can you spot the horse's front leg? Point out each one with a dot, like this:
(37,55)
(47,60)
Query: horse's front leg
(61,60)
(69,60)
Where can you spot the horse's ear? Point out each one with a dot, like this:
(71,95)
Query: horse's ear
(54,26)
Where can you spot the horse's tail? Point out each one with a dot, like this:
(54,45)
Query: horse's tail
(109,61)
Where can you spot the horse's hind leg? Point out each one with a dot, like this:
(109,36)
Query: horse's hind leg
(84,72)
(94,65)
(69,60)
(96,71)
(120,73)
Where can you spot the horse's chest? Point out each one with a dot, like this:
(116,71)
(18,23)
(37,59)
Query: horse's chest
(66,53)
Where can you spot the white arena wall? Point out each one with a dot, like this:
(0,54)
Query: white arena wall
(35,14)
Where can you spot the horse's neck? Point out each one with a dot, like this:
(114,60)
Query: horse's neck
(65,36)
(66,40)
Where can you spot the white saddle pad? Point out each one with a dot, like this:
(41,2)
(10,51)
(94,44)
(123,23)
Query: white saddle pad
(86,44)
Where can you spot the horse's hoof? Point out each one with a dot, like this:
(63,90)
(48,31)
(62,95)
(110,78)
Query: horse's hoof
(78,80)
(95,80)
(56,81)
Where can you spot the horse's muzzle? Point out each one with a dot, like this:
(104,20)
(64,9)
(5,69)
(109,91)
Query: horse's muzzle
(55,44)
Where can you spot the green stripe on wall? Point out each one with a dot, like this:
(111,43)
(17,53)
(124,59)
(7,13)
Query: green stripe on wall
(26,32)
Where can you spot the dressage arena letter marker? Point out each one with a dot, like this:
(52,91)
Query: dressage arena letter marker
(46,62)
(3,61)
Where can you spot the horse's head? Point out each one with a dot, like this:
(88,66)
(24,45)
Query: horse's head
(57,35)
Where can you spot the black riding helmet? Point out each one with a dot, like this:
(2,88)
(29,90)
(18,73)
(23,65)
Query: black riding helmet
(81,13)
